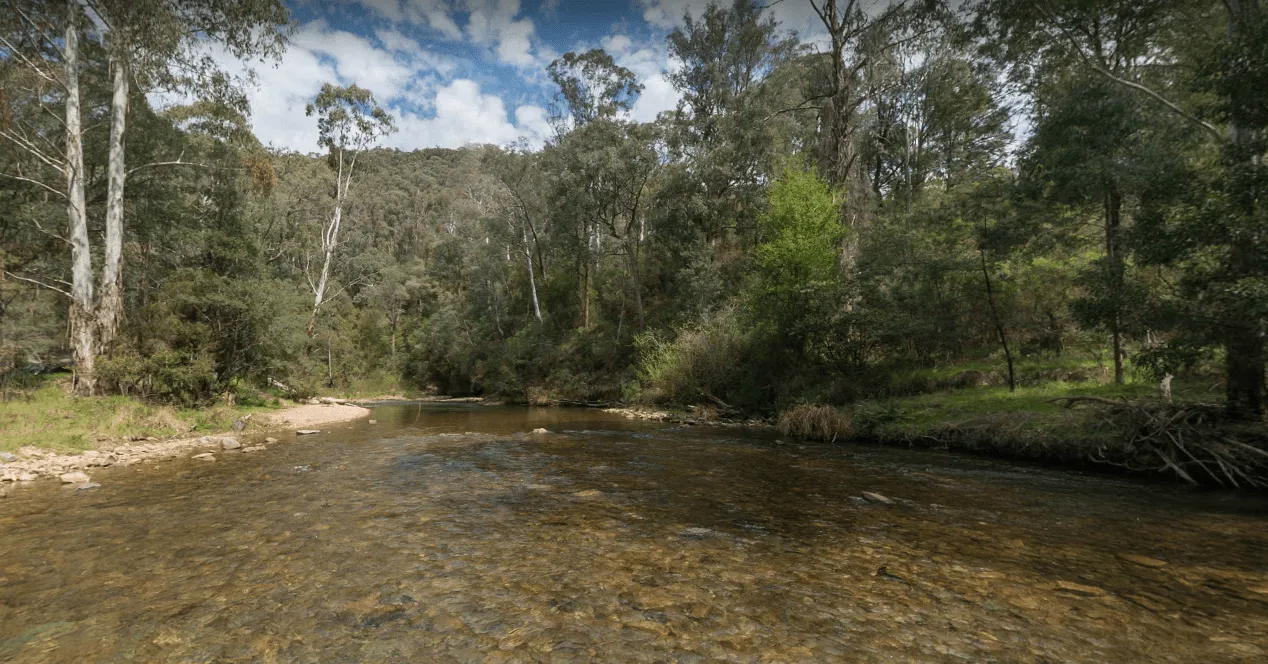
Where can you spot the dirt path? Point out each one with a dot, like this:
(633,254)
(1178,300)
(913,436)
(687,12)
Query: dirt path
(31,463)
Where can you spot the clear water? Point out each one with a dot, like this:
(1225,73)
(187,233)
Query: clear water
(450,533)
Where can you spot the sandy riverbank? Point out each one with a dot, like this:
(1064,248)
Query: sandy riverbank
(32,463)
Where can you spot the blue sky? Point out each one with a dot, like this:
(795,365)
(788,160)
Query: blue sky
(465,71)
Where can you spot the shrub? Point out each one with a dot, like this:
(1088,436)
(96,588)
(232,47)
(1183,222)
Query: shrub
(706,360)
(815,422)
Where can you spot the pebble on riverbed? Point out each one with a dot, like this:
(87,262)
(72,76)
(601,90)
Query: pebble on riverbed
(270,440)
(205,456)
(254,448)
(1144,561)
(540,430)
(306,432)
(76,477)
(876,498)
(87,486)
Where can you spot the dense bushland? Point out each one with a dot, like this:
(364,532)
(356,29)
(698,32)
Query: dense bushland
(806,227)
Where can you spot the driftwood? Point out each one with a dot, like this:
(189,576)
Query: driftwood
(1190,440)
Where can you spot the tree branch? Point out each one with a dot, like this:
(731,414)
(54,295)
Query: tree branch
(37,282)
(34,182)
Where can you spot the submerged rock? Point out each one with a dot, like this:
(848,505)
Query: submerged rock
(76,477)
(254,448)
(306,432)
(540,430)
(87,486)
(1070,586)
(205,456)
(1144,561)
(270,440)
(876,498)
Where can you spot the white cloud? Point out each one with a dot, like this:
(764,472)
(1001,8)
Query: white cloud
(356,60)
(493,23)
(649,64)
(433,13)
(436,13)
(464,114)
(667,14)
(792,16)
(616,44)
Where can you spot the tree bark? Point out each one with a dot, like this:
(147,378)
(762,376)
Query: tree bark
(329,241)
(1244,354)
(999,324)
(1114,263)
(532,278)
(82,317)
(110,305)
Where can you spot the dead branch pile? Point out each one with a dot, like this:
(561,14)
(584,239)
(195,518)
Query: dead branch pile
(1194,441)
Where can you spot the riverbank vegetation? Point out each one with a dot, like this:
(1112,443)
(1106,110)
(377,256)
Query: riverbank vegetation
(941,217)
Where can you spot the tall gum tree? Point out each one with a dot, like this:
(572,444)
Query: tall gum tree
(149,45)
(349,122)
(592,87)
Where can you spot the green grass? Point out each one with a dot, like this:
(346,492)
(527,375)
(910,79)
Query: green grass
(1026,423)
(47,417)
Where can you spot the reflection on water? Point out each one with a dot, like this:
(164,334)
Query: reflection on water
(415,539)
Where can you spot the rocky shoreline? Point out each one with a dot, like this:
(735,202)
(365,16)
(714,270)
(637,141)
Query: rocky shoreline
(32,464)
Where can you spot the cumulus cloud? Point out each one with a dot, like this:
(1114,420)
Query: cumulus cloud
(435,14)
(649,65)
(407,79)
(494,24)
(796,17)
(464,114)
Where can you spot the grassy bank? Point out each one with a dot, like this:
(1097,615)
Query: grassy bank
(47,417)
(1111,426)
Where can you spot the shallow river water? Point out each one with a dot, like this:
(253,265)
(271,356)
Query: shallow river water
(609,540)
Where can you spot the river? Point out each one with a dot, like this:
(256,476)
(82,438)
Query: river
(449,532)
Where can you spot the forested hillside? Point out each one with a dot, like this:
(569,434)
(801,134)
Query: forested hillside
(1004,192)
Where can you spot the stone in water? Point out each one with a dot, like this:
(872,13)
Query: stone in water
(230,443)
(205,456)
(540,430)
(876,498)
(305,432)
(74,478)
(1144,561)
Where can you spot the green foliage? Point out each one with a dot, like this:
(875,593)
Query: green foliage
(714,359)
(795,280)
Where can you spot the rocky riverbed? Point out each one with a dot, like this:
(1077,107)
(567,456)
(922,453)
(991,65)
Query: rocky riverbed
(30,464)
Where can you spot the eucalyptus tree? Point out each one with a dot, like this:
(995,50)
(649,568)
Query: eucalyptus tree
(1160,51)
(349,122)
(602,189)
(519,173)
(728,135)
(152,45)
(859,34)
(591,86)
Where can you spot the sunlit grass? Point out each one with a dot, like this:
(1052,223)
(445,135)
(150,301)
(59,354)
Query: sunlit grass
(47,417)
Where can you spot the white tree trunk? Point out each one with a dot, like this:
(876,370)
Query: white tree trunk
(532,278)
(110,305)
(82,323)
(329,240)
